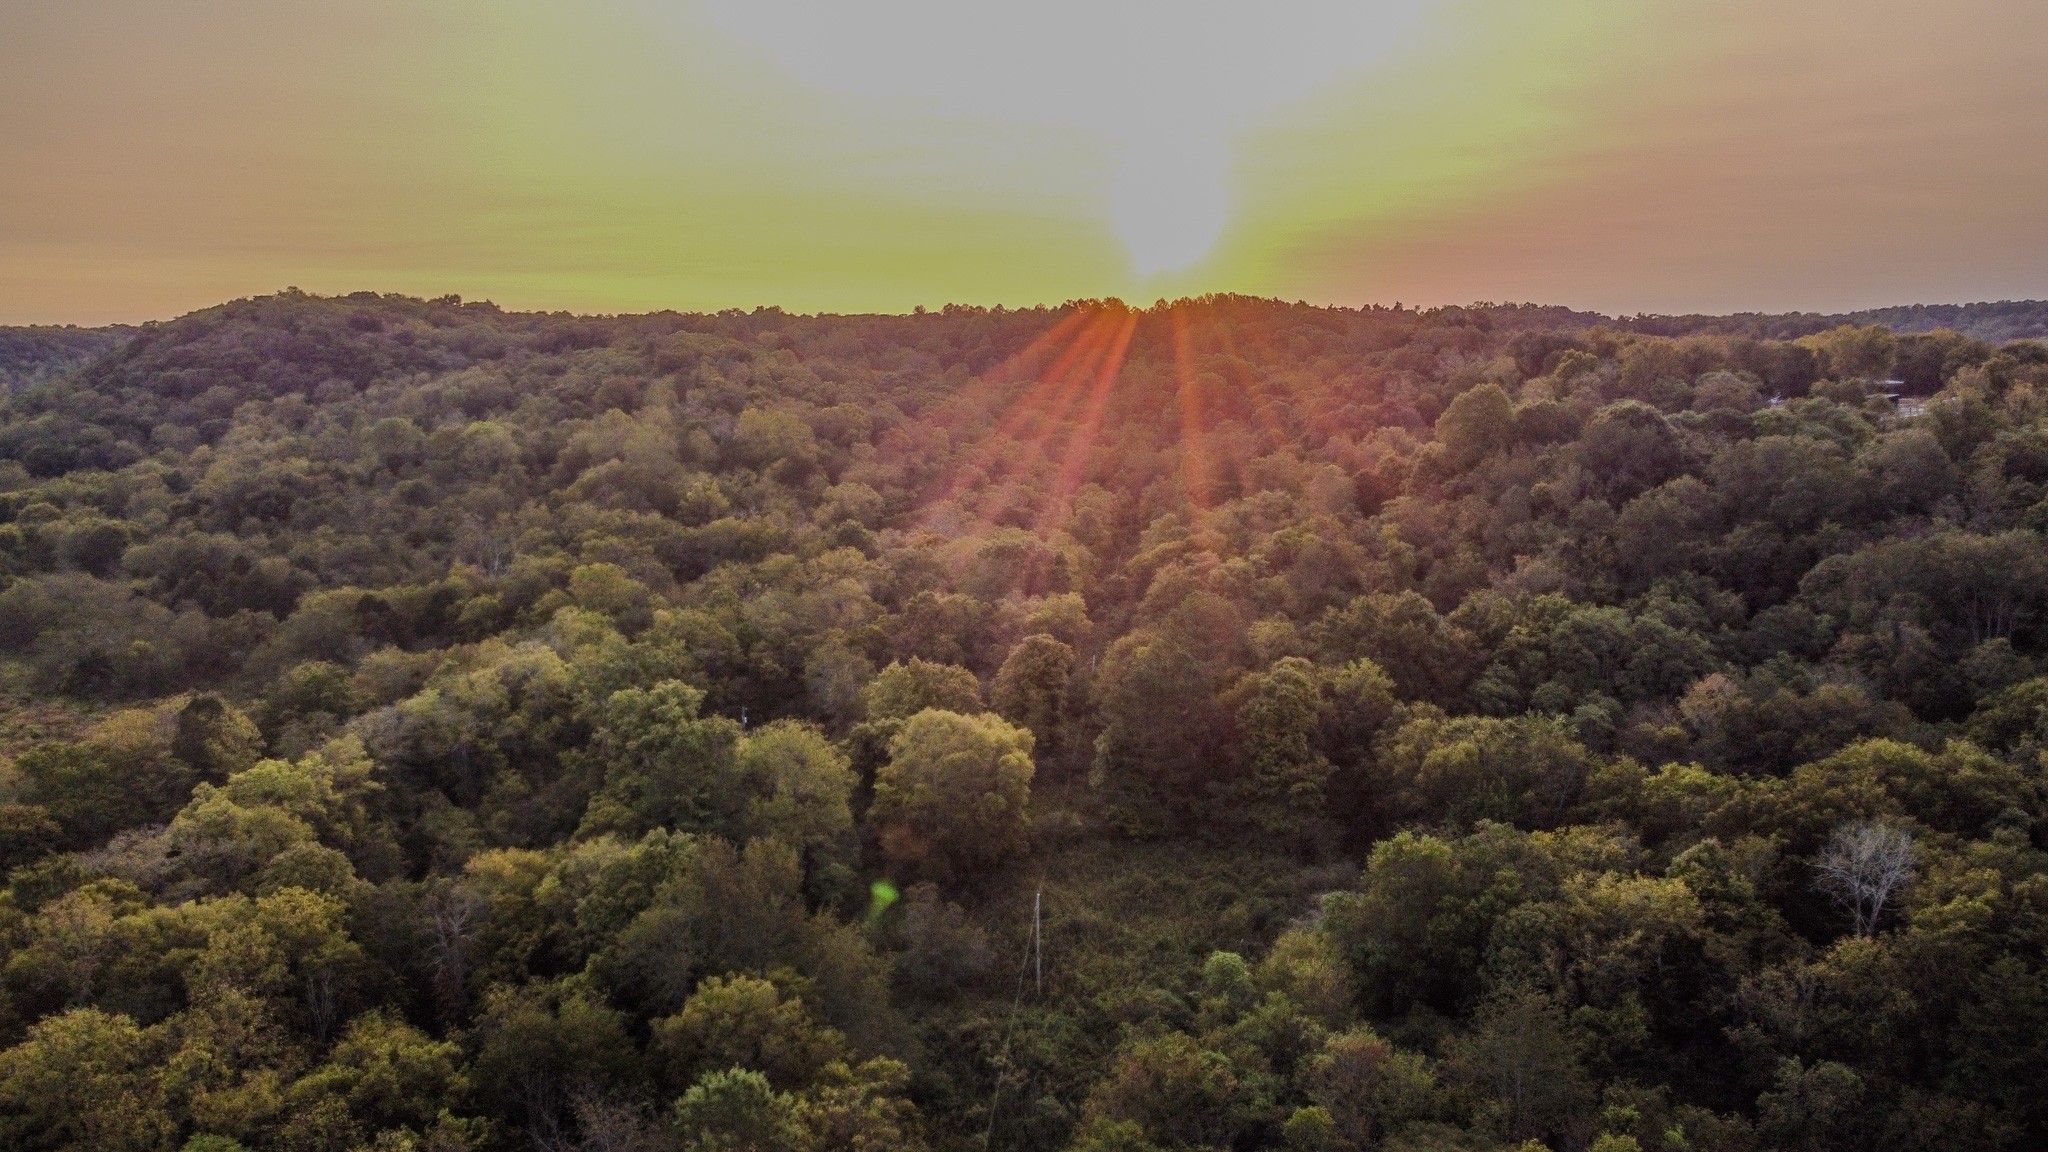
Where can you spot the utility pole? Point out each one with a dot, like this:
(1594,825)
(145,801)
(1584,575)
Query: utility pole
(1038,942)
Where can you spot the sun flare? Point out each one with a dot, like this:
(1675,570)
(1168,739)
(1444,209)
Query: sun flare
(1158,88)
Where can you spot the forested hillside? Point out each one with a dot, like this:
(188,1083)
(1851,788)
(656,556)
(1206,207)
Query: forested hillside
(429,727)
(28,355)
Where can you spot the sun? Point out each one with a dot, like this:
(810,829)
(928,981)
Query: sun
(1161,86)
(1170,200)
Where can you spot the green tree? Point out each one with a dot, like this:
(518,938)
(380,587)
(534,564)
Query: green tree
(1522,1057)
(1030,689)
(1813,1108)
(1855,353)
(121,775)
(737,1111)
(1527,770)
(1630,448)
(539,1047)
(1427,657)
(386,1074)
(743,1021)
(956,793)
(27,834)
(665,766)
(861,1108)
(81,1082)
(797,787)
(1479,421)
(707,909)
(1277,718)
(214,739)
(1178,1093)
(901,691)
(1156,692)
(1366,1086)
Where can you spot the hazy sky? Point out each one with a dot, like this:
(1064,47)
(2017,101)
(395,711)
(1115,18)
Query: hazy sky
(615,155)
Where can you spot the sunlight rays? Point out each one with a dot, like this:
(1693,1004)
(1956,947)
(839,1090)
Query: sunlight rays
(1082,441)
(1009,452)
(1043,444)
(1194,460)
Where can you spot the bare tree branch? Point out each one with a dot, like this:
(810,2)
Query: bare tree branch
(1863,866)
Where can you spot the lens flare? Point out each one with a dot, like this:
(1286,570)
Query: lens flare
(881,896)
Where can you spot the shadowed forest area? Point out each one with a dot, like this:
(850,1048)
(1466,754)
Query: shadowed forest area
(433,728)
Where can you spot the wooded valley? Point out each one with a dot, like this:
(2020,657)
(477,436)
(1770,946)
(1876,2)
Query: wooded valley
(1223,725)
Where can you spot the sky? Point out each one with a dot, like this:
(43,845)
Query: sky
(875,155)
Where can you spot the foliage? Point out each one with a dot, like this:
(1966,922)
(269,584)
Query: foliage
(1228,724)
(956,792)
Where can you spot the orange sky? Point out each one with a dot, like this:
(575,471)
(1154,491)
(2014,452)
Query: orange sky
(620,155)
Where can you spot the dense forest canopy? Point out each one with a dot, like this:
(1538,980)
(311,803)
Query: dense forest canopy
(1224,725)
(28,355)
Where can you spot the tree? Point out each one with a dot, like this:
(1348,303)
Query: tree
(1357,702)
(540,1047)
(938,949)
(1526,770)
(1030,689)
(1416,927)
(452,913)
(737,1111)
(745,1022)
(1522,1055)
(1630,448)
(1285,773)
(771,439)
(387,1074)
(956,792)
(2013,717)
(707,908)
(1813,1108)
(1427,657)
(1101,1134)
(1366,1086)
(1560,655)
(610,590)
(1156,692)
(1177,1092)
(861,1108)
(1306,967)
(26,834)
(1478,421)
(215,739)
(1854,353)
(797,787)
(223,844)
(901,691)
(81,1082)
(1864,865)
(665,765)
(120,776)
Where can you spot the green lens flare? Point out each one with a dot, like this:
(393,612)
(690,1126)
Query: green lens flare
(884,894)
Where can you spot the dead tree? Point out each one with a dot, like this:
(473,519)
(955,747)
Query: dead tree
(1864,865)
(452,915)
